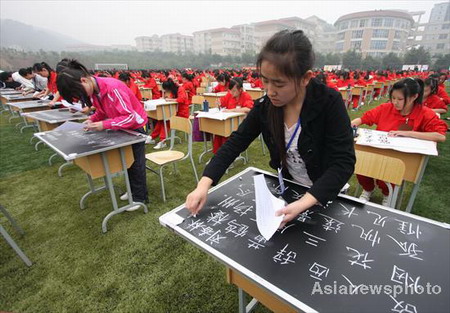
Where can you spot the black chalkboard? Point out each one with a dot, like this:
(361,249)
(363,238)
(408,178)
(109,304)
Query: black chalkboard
(14,97)
(77,143)
(345,243)
(56,116)
(30,104)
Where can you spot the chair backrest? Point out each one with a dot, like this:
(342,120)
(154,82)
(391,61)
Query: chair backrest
(197,99)
(380,167)
(181,123)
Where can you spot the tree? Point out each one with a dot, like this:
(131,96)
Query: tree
(351,60)
(370,63)
(442,62)
(392,61)
(320,60)
(417,56)
(332,59)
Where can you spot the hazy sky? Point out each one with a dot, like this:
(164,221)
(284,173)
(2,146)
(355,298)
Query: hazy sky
(119,22)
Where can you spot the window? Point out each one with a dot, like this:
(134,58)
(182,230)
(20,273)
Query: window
(446,26)
(378,44)
(380,33)
(440,46)
(397,23)
(363,23)
(443,36)
(355,45)
(396,45)
(339,46)
(398,34)
(388,22)
(354,24)
(377,22)
(357,33)
(344,25)
(340,36)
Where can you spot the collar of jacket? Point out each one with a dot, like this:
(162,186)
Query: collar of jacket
(315,100)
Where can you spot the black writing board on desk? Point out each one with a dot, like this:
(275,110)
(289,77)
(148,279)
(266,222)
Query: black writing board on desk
(30,104)
(361,247)
(14,97)
(74,144)
(56,116)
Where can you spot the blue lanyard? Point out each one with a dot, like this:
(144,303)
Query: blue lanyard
(293,135)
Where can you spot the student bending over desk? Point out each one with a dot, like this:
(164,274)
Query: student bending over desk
(403,116)
(304,125)
(236,100)
(116,108)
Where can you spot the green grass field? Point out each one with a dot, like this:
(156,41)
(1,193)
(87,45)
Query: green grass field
(137,266)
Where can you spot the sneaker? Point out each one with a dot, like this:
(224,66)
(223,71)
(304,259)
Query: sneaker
(160,145)
(150,140)
(124,197)
(365,195)
(385,201)
(133,208)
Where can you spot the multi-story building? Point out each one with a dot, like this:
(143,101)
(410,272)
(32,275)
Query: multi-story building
(247,40)
(324,39)
(225,41)
(202,42)
(146,43)
(436,34)
(177,43)
(374,33)
(264,30)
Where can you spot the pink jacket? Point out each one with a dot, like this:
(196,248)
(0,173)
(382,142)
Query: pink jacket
(117,106)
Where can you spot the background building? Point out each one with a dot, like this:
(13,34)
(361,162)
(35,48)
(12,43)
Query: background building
(177,43)
(374,33)
(436,34)
(146,43)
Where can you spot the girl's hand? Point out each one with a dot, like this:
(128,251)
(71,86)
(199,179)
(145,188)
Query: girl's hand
(290,212)
(398,133)
(93,125)
(197,198)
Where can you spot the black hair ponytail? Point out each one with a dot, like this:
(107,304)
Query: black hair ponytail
(409,87)
(171,86)
(69,81)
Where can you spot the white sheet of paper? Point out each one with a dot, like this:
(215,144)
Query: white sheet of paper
(266,206)
(380,139)
(247,85)
(75,106)
(70,126)
(150,105)
(218,115)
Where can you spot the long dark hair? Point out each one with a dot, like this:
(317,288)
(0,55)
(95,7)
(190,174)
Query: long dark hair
(409,87)
(292,54)
(171,86)
(433,83)
(69,82)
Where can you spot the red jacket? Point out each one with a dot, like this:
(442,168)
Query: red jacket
(434,102)
(190,89)
(151,83)
(183,102)
(51,82)
(443,94)
(257,83)
(117,106)
(135,89)
(229,102)
(387,118)
(221,88)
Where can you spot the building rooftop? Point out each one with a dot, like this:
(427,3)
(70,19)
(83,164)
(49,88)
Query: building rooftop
(375,13)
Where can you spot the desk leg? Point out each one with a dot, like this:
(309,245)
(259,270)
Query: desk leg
(13,116)
(110,186)
(416,186)
(400,197)
(51,158)
(205,149)
(246,308)
(91,191)
(36,146)
(63,166)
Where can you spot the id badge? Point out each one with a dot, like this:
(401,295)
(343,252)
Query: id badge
(281,181)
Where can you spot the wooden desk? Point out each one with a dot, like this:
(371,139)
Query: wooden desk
(213,98)
(221,127)
(99,155)
(415,165)
(26,107)
(255,93)
(321,246)
(146,93)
